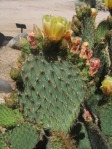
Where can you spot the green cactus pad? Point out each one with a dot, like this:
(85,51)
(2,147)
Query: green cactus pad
(2,142)
(24,136)
(101,30)
(9,117)
(53,93)
(88,31)
(106,118)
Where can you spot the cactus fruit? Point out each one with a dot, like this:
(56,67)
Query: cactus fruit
(9,117)
(24,136)
(83,11)
(107,86)
(51,88)
(15,74)
(59,140)
(21,59)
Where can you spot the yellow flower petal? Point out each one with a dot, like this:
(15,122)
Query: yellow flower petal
(108,3)
(55,27)
(59,31)
(46,27)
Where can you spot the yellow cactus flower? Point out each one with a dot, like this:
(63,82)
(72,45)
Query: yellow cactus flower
(23,42)
(108,3)
(107,86)
(37,32)
(55,27)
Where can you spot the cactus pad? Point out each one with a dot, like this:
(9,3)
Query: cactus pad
(88,31)
(53,93)
(9,117)
(101,30)
(105,118)
(23,137)
(2,142)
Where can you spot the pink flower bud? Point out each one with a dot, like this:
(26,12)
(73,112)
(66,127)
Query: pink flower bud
(85,52)
(32,40)
(87,116)
(75,46)
(94,65)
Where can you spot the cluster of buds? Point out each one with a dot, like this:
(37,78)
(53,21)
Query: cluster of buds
(86,54)
(32,38)
(94,65)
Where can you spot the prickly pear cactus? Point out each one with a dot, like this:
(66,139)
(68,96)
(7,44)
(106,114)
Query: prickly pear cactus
(9,117)
(53,93)
(24,136)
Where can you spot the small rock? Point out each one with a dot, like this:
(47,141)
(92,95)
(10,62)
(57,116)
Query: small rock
(6,40)
(2,101)
(2,38)
(14,42)
(4,86)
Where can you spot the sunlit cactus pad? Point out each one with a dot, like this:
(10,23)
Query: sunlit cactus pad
(53,93)
(9,117)
(23,137)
